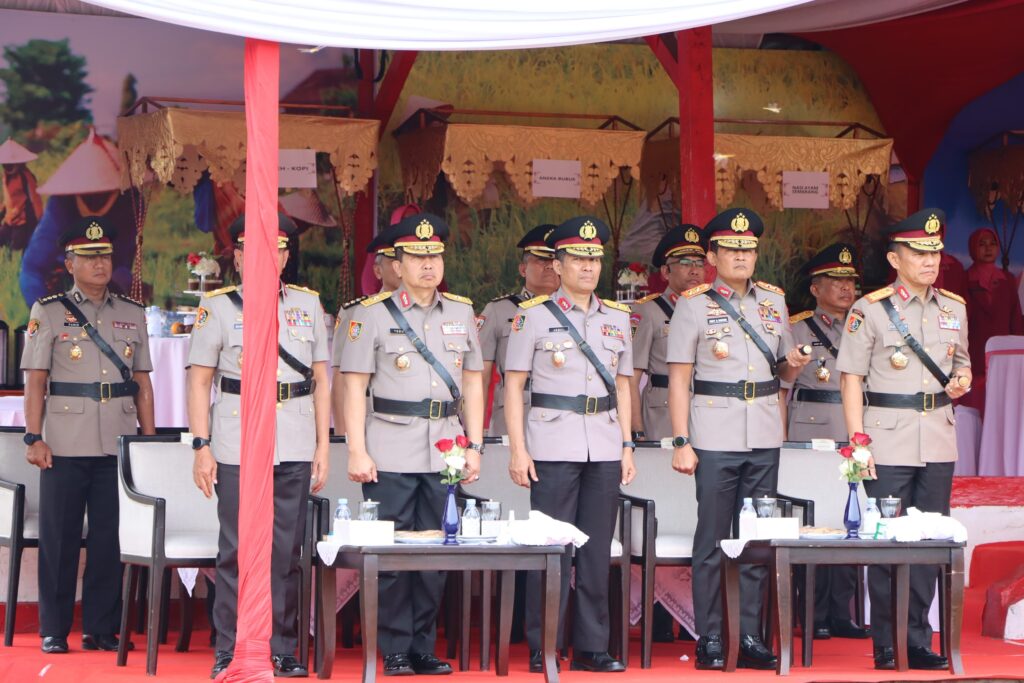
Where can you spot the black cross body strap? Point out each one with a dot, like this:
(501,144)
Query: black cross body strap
(664,306)
(100,342)
(606,377)
(820,334)
(724,304)
(420,347)
(289,360)
(914,345)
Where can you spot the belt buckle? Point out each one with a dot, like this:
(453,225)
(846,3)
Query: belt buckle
(284,392)
(925,407)
(435,413)
(106,392)
(587,409)
(749,390)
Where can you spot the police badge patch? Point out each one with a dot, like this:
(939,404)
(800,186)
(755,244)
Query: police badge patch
(355,329)
(202,317)
(518,322)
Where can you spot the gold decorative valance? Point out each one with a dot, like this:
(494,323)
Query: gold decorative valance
(179,144)
(470,153)
(848,161)
(998,174)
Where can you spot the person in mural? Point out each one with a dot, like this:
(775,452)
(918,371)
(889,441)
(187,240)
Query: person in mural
(20,206)
(306,209)
(87,184)
(993,307)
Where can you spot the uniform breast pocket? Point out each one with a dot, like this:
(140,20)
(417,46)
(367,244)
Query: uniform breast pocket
(613,348)
(892,338)
(397,353)
(235,339)
(65,405)
(554,349)
(455,346)
(126,344)
(300,344)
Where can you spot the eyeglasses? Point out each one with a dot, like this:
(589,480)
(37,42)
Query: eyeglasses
(691,263)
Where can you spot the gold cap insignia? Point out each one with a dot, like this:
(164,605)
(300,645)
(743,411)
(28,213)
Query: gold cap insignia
(691,236)
(424,230)
(740,223)
(932,225)
(94,231)
(845,256)
(548,234)
(588,231)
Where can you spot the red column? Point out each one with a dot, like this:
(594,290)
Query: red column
(693,78)
(259,371)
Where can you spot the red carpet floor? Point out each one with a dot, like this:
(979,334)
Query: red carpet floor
(834,660)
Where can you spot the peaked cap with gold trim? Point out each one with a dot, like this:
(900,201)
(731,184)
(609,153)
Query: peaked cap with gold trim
(91,236)
(835,260)
(922,231)
(420,233)
(580,236)
(682,240)
(734,229)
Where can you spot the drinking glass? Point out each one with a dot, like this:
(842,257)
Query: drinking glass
(369,511)
(889,506)
(765,506)
(491,511)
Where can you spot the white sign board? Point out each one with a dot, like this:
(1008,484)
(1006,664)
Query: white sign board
(296,168)
(556,178)
(804,190)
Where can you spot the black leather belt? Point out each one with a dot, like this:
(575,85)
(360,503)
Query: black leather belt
(97,391)
(581,405)
(660,381)
(432,410)
(285,390)
(918,401)
(817,396)
(745,390)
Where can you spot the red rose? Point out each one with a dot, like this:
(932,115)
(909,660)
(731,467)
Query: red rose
(636,267)
(444,445)
(193,259)
(846,451)
(860,439)
(461,441)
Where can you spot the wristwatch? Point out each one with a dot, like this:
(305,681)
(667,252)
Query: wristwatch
(478,447)
(31,438)
(198,442)
(680,441)
(629,444)
(638,435)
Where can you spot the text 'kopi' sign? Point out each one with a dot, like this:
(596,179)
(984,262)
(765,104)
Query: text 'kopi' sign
(556,178)
(296,168)
(804,190)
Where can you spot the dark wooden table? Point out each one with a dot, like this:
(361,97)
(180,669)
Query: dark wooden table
(782,554)
(369,561)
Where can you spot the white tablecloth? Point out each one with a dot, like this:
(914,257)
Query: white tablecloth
(1002,434)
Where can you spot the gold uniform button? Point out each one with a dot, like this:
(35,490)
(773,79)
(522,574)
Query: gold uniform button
(401,349)
(66,408)
(747,336)
(543,414)
(924,320)
(812,418)
(103,372)
(925,382)
(590,377)
(710,402)
(234,413)
(426,327)
(877,423)
(750,367)
(279,405)
(433,384)
(279,372)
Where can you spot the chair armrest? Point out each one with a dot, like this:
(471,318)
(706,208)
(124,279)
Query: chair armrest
(805,505)
(11,486)
(12,509)
(321,516)
(625,527)
(642,521)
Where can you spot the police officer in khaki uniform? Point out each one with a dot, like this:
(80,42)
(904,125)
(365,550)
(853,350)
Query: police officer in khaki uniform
(729,345)
(905,351)
(495,321)
(300,454)
(418,353)
(816,410)
(680,258)
(87,369)
(572,449)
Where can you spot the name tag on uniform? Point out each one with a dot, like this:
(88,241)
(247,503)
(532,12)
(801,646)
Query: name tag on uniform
(558,329)
(718,320)
(948,321)
(396,330)
(121,325)
(297,317)
(453,327)
(612,331)
(70,320)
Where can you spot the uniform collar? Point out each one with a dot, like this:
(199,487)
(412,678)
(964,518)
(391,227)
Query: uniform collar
(405,301)
(526,294)
(78,297)
(727,291)
(564,302)
(670,295)
(904,296)
(823,317)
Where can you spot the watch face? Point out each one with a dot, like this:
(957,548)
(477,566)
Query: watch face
(680,441)
(199,442)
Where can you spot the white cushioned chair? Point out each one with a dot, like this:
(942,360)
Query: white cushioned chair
(165,522)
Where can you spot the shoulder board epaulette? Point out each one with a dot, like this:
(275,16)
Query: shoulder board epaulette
(456,297)
(130,300)
(530,303)
(770,288)
(880,294)
(376,298)
(503,297)
(649,297)
(299,288)
(793,319)
(952,295)
(222,290)
(618,305)
(50,299)
(349,304)
(694,291)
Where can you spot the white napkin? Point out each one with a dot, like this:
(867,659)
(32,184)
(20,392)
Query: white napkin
(541,529)
(732,547)
(918,526)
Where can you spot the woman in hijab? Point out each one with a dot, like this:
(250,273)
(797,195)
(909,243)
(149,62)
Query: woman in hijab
(993,307)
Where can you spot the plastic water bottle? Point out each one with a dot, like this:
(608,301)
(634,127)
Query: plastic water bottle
(471,519)
(341,513)
(870,520)
(748,519)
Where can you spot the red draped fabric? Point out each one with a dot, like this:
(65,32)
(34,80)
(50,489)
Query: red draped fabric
(259,371)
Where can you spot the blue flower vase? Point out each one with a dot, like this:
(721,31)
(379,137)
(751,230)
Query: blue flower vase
(851,517)
(450,518)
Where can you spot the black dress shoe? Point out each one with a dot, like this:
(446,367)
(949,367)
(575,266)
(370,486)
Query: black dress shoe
(844,628)
(754,655)
(106,643)
(286,666)
(822,632)
(222,658)
(398,665)
(601,662)
(885,658)
(923,658)
(429,665)
(537,662)
(709,653)
(52,645)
